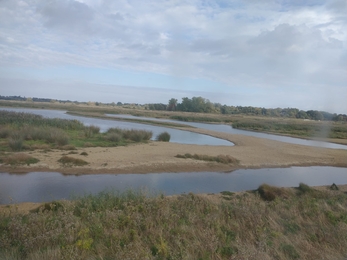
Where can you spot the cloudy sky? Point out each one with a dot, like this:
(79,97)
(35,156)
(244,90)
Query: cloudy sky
(265,53)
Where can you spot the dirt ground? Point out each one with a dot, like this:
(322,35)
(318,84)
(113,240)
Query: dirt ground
(251,152)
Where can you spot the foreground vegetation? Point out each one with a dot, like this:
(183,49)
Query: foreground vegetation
(270,223)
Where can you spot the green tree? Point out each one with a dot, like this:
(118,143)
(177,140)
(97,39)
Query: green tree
(172,104)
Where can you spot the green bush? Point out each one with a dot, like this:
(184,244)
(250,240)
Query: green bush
(163,137)
(304,188)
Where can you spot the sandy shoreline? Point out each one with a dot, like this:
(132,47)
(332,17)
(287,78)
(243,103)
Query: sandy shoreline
(251,152)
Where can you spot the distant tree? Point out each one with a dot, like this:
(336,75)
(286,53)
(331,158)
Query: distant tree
(315,115)
(301,114)
(119,104)
(172,104)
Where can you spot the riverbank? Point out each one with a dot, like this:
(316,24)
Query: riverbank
(269,223)
(152,157)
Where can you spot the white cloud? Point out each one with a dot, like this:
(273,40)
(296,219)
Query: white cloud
(241,45)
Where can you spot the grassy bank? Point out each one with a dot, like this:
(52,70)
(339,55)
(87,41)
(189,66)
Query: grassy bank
(294,127)
(270,223)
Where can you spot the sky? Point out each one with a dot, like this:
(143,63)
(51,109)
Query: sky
(240,53)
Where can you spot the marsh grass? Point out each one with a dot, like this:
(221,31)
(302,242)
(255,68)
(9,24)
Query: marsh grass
(131,225)
(226,159)
(18,159)
(28,132)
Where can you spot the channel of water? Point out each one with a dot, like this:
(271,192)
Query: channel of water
(48,186)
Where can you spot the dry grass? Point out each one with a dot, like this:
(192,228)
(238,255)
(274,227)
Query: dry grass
(134,226)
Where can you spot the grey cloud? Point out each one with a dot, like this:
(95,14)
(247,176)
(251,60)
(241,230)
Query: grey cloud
(66,14)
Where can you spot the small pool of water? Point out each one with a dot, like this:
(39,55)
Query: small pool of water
(48,186)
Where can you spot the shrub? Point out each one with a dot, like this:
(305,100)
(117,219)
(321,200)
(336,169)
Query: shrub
(84,153)
(91,130)
(5,132)
(137,135)
(57,136)
(304,188)
(269,193)
(70,161)
(114,137)
(163,137)
(115,130)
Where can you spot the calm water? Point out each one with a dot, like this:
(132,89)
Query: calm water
(48,186)
(177,136)
(229,129)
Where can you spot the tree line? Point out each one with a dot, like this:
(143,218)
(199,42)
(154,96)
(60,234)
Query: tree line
(202,105)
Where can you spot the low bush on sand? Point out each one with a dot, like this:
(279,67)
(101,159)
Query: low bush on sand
(163,137)
(226,159)
(70,161)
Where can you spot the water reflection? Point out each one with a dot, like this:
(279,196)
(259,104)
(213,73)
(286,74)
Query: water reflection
(48,186)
